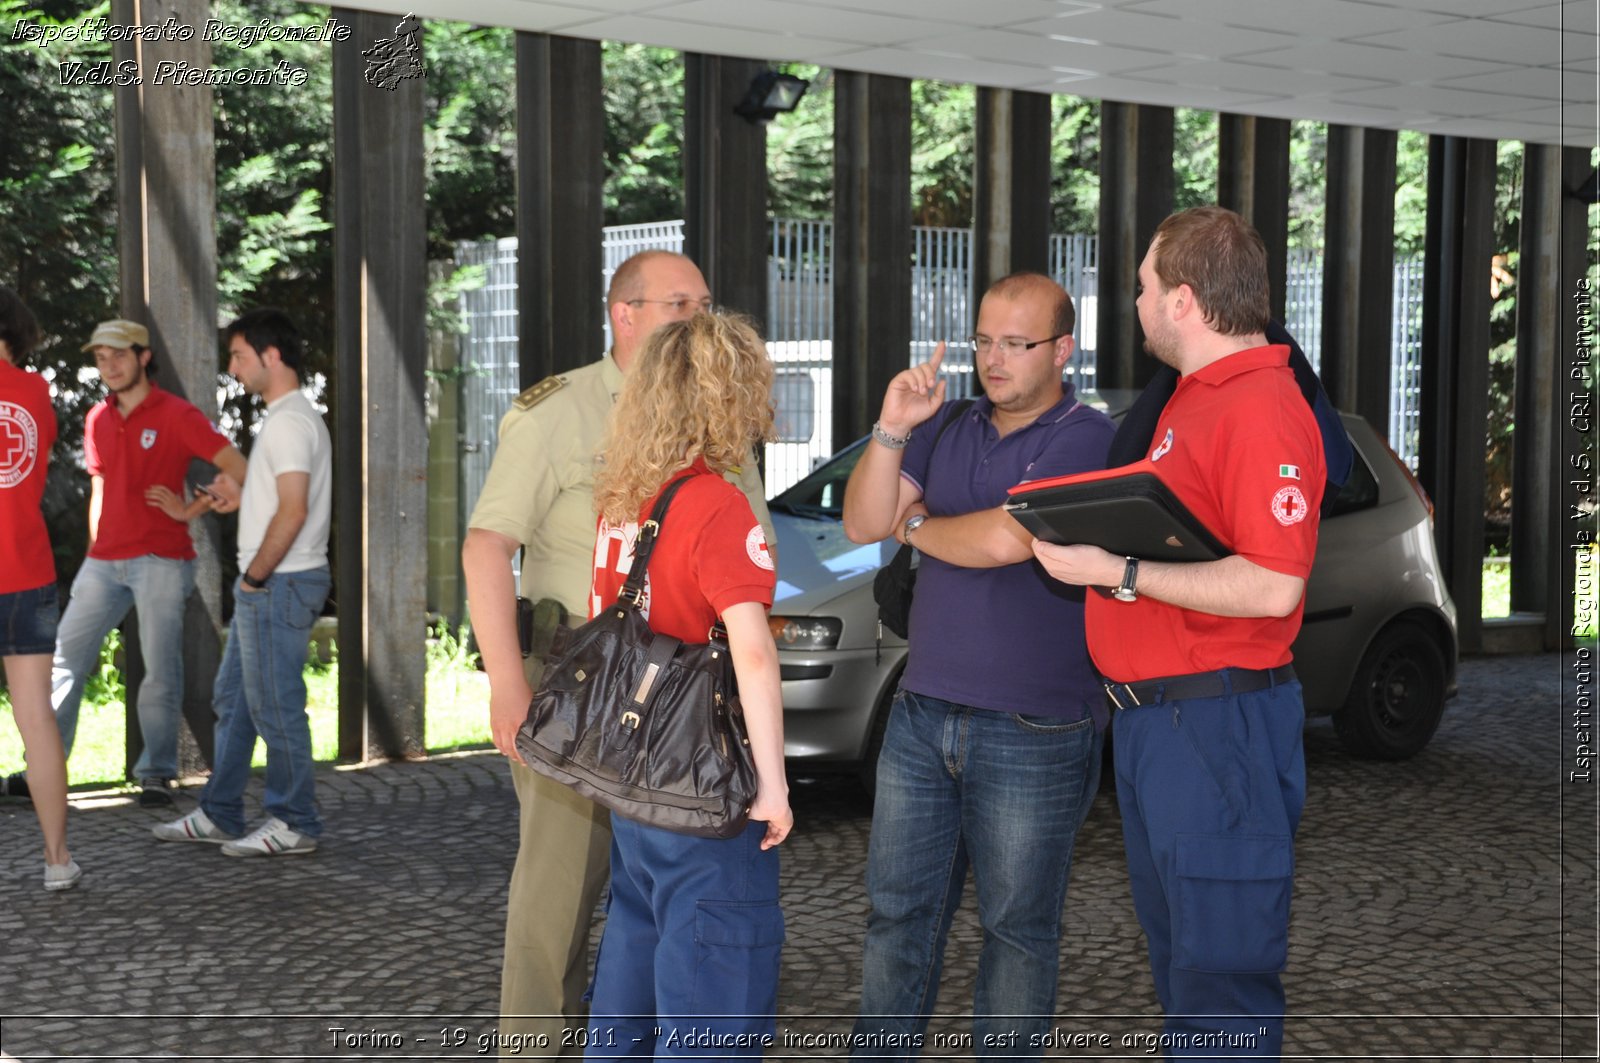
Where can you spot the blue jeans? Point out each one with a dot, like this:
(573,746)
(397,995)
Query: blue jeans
(260,690)
(102,594)
(1006,794)
(688,963)
(1211,791)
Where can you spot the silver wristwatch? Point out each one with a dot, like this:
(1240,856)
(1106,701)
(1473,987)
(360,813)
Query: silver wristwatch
(1130,576)
(912,524)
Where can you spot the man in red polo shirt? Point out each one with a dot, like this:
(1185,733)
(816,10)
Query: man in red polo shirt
(137,446)
(1210,770)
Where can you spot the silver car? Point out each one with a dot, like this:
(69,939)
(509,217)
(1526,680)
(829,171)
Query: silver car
(1377,649)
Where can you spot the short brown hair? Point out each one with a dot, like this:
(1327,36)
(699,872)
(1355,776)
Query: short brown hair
(1023,283)
(1221,258)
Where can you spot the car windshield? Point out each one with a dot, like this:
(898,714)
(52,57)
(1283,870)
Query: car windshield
(820,496)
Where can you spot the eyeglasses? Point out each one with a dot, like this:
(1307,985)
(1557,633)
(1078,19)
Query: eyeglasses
(1010,345)
(679,306)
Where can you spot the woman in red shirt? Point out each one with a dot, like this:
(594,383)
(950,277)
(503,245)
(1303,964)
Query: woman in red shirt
(28,605)
(689,960)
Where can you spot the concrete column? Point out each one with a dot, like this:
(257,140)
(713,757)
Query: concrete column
(1253,179)
(725,182)
(1010,186)
(381,436)
(871,245)
(1455,363)
(560,212)
(166,193)
(1135,196)
(1358,272)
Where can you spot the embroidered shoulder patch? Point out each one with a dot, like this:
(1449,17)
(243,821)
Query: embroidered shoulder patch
(755,545)
(1289,506)
(539,392)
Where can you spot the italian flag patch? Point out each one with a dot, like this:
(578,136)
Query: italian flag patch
(1289,472)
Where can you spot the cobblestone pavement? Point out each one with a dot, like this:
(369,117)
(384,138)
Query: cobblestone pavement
(1444,907)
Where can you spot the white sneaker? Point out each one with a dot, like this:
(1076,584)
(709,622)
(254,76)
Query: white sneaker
(195,827)
(272,838)
(62,876)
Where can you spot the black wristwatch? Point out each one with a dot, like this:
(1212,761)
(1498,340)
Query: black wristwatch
(251,582)
(1130,576)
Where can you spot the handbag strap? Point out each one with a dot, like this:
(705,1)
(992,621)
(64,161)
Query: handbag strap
(649,531)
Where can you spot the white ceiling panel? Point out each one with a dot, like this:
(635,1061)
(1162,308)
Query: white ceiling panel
(986,15)
(1460,8)
(1134,90)
(1574,116)
(1031,49)
(907,64)
(1575,16)
(1495,41)
(1378,64)
(1324,18)
(1545,83)
(1146,31)
(806,20)
(1247,77)
(717,40)
(1455,103)
(1484,67)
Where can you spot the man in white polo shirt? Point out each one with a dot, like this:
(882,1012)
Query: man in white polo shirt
(284,514)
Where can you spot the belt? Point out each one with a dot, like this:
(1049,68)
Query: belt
(1200,685)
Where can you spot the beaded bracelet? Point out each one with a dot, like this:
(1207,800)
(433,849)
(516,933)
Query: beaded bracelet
(892,442)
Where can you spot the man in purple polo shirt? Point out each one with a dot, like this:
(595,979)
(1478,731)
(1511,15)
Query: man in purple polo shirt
(992,754)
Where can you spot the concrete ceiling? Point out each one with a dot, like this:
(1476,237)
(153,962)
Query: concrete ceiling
(1502,69)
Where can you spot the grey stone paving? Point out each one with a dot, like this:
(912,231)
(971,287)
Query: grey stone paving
(1444,908)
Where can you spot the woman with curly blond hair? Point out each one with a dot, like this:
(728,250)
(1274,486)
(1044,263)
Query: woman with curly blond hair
(689,960)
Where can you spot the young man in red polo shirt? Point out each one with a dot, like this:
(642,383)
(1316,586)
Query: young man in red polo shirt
(1210,770)
(137,445)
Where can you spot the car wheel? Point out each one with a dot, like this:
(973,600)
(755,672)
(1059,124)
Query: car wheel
(1397,697)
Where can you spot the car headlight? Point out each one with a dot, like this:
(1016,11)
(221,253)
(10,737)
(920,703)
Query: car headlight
(806,632)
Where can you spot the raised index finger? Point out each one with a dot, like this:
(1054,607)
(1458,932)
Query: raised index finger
(938,356)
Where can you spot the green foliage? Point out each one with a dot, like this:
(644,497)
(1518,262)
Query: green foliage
(943,149)
(644,133)
(470,134)
(1194,157)
(104,685)
(1308,183)
(58,243)
(1411,193)
(800,151)
(1074,164)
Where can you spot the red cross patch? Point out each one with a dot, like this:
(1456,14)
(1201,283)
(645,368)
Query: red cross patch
(1289,506)
(19,443)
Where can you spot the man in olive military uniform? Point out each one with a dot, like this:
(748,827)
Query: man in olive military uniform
(538,499)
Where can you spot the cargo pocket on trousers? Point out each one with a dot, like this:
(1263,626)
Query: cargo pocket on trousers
(737,950)
(1231,907)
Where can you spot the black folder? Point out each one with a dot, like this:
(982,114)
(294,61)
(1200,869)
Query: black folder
(1127,511)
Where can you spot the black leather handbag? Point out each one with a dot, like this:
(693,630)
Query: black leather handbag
(895,582)
(643,723)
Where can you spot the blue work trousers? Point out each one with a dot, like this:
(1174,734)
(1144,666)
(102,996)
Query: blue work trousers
(688,963)
(1211,791)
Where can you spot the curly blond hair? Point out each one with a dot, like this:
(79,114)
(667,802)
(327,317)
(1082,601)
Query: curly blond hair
(698,388)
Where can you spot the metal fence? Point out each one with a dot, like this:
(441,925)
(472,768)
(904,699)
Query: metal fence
(1405,361)
(943,307)
(489,355)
